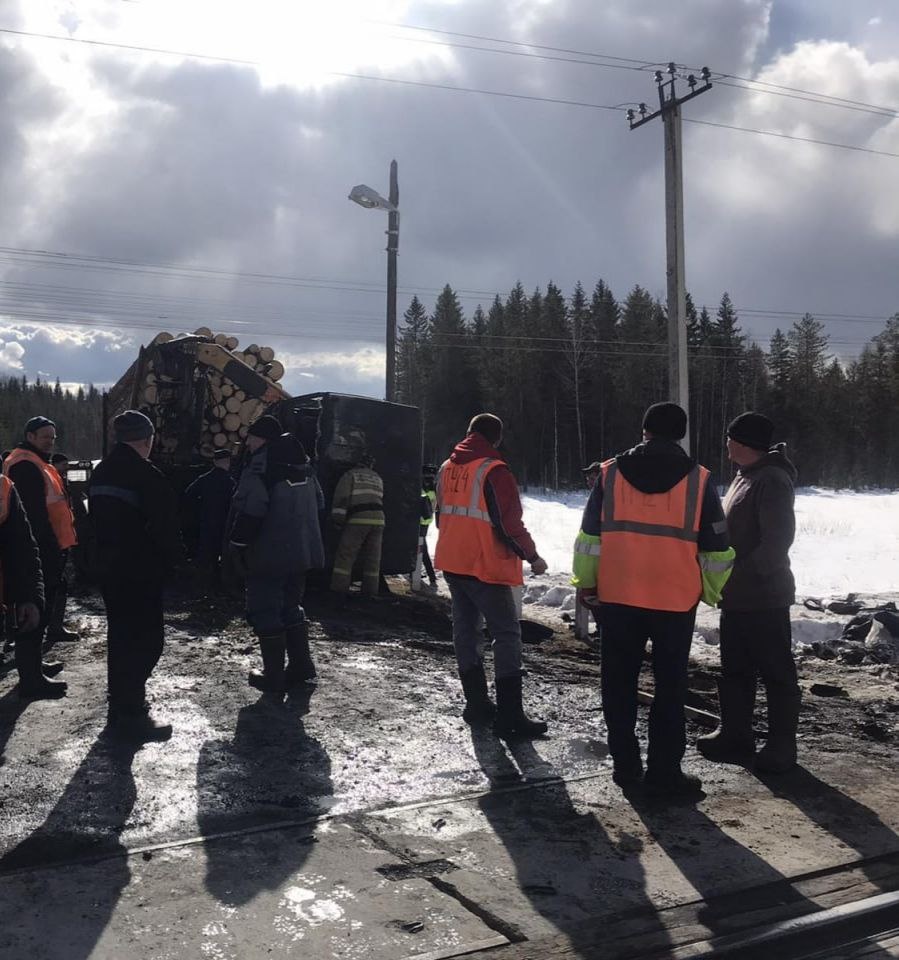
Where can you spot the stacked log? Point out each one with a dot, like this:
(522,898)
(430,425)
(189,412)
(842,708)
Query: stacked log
(228,411)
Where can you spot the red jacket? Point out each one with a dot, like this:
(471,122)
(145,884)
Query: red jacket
(501,493)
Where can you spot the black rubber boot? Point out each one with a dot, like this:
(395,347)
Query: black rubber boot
(137,726)
(33,685)
(479,708)
(733,741)
(271,679)
(50,668)
(779,753)
(300,666)
(672,785)
(511,722)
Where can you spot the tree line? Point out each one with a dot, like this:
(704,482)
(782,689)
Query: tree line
(572,376)
(78,416)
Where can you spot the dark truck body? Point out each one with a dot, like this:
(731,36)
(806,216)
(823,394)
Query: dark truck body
(334,428)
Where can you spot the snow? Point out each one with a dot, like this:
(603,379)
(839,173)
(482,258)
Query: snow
(846,542)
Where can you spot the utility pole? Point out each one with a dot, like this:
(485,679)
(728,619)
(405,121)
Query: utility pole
(669,111)
(393,242)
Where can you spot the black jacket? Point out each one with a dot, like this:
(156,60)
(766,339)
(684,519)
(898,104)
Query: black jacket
(135,517)
(655,467)
(19,557)
(761,523)
(32,490)
(208,500)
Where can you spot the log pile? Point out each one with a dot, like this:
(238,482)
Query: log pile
(228,410)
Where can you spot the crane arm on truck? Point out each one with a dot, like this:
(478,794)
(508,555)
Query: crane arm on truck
(252,383)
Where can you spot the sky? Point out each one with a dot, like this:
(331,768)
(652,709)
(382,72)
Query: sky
(166,164)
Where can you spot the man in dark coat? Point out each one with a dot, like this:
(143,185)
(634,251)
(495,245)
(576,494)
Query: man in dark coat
(755,604)
(208,500)
(275,540)
(20,563)
(138,543)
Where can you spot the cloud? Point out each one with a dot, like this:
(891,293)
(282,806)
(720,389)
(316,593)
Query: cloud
(11,353)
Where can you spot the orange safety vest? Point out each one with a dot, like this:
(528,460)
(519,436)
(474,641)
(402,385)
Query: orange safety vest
(649,556)
(58,510)
(467,543)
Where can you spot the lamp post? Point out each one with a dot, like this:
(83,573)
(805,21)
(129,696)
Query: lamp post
(372,200)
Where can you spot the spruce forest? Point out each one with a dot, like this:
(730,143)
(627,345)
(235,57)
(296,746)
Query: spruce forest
(571,378)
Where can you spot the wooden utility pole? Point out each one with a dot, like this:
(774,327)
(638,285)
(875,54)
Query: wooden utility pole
(669,111)
(393,243)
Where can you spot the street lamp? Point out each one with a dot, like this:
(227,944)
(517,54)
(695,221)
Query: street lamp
(372,200)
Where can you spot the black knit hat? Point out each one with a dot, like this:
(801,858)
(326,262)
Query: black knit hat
(266,427)
(221,455)
(666,420)
(753,430)
(131,426)
(38,423)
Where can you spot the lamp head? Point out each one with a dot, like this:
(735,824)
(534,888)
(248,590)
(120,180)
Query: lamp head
(370,199)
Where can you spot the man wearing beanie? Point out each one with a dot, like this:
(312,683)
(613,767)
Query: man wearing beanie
(755,604)
(44,498)
(653,542)
(138,544)
(277,539)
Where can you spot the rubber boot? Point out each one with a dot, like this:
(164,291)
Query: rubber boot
(56,630)
(672,785)
(271,678)
(300,666)
(511,722)
(50,668)
(733,741)
(479,708)
(779,753)
(33,685)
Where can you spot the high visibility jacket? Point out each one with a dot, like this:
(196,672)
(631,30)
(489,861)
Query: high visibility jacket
(650,557)
(468,544)
(5,490)
(58,510)
(428,504)
(359,498)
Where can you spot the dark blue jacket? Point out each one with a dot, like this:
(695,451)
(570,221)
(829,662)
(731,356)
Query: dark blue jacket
(208,500)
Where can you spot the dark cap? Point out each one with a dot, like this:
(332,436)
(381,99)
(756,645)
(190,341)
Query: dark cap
(286,449)
(131,426)
(266,427)
(666,420)
(58,457)
(753,430)
(38,423)
(594,467)
(222,455)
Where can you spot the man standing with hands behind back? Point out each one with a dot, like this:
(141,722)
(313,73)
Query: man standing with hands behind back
(481,546)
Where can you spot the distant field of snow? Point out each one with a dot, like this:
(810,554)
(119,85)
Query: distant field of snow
(845,541)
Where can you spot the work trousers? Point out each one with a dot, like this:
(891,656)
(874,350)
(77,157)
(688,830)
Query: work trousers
(134,640)
(758,643)
(29,646)
(358,542)
(474,604)
(625,631)
(274,602)
(425,556)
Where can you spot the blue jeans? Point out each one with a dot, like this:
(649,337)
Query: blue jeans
(274,602)
(476,602)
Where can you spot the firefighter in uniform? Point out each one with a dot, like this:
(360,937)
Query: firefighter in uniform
(480,549)
(357,510)
(135,514)
(20,562)
(46,503)
(653,541)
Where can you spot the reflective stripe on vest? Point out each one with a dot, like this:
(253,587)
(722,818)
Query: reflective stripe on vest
(467,543)
(59,513)
(649,542)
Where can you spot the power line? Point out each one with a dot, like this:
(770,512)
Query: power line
(440,86)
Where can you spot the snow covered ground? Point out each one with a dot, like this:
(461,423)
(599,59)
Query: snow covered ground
(846,542)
